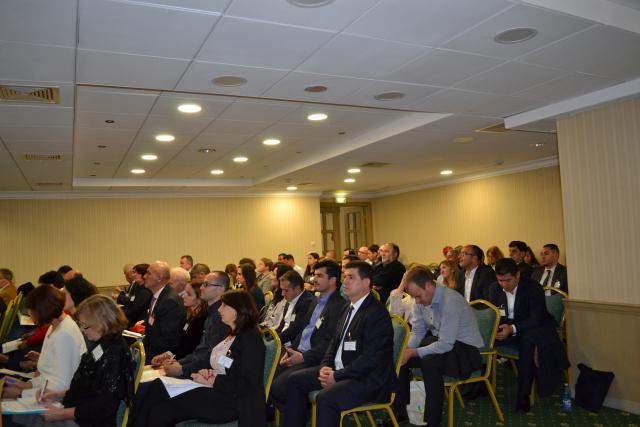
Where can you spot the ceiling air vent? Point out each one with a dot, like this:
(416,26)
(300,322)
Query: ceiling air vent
(33,156)
(37,94)
(374,165)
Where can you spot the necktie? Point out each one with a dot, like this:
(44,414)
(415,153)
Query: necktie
(346,324)
(547,278)
(152,306)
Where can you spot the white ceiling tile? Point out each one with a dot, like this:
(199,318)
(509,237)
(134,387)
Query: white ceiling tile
(293,84)
(30,62)
(550,26)
(207,5)
(164,124)
(510,78)
(48,133)
(240,127)
(452,101)
(96,120)
(199,76)
(424,22)
(348,55)
(142,29)
(22,115)
(443,68)
(18,148)
(39,21)
(603,51)
(114,101)
(505,106)
(332,16)
(258,111)
(89,138)
(218,141)
(412,93)
(261,44)
(120,69)
(567,87)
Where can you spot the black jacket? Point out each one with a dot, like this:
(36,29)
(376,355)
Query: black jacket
(298,323)
(388,276)
(169,315)
(559,275)
(483,278)
(137,303)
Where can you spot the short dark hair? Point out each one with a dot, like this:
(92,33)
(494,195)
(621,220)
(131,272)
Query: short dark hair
(189,258)
(553,247)
(351,257)
(45,303)
(230,268)
(294,279)
(333,269)
(506,266)
(249,274)
(350,251)
(374,248)
(245,307)
(200,269)
(247,261)
(478,252)
(7,274)
(396,249)
(141,269)
(522,246)
(420,276)
(281,269)
(365,271)
(315,255)
(80,289)
(52,278)
(282,254)
(64,269)
(288,257)
(222,278)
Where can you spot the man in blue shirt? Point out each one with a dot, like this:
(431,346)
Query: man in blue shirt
(445,340)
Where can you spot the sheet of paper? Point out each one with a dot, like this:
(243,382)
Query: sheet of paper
(26,320)
(131,334)
(150,374)
(10,346)
(24,405)
(177,386)
(14,373)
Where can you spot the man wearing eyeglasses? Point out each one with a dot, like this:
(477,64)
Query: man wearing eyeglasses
(214,285)
(474,277)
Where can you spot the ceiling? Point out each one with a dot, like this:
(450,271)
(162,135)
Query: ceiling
(123,67)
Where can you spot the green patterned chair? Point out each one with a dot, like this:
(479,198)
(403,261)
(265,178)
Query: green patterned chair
(10,317)
(488,321)
(139,356)
(400,339)
(272,356)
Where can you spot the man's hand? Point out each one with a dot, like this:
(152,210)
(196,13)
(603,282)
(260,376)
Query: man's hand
(291,358)
(56,413)
(50,395)
(160,358)
(204,376)
(504,331)
(408,354)
(172,368)
(33,356)
(325,376)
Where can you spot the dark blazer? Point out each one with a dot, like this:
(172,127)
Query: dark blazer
(243,382)
(298,324)
(372,361)
(388,276)
(164,334)
(191,336)
(525,270)
(137,303)
(320,337)
(483,278)
(559,275)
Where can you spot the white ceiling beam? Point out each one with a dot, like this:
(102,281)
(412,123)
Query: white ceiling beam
(154,182)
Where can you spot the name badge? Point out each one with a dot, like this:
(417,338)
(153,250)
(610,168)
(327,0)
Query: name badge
(97,352)
(186,326)
(132,299)
(292,318)
(225,361)
(349,346)
(287,344)
(503,312)
(557,284)
(319,323)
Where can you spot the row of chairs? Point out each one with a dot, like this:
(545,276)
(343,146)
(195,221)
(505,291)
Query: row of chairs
(9,317)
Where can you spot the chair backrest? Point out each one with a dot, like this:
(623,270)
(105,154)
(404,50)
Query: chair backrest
(375,294)
(268,297)
(9,317)
(488,321)
(401,334)
(139,356)
(271,357)
(554,304)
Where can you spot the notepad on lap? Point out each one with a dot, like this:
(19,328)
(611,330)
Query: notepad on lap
(24,405)
(177,386)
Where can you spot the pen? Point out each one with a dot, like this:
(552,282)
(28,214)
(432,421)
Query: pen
(44,387)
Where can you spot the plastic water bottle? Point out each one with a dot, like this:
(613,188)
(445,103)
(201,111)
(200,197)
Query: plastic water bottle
(566,398)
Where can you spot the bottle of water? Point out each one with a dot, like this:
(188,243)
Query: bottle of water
(566,398)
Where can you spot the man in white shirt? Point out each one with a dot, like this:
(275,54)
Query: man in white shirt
(186,262)
(551,272)
(292,263)
(474,277)
(295,310)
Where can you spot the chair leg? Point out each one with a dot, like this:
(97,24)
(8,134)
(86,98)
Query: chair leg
(496,405)
(532,393)
(314,420)
(392,416)
(371,420)
(494,374)
(356,419)
(451,394)
(459,396)
(276,417)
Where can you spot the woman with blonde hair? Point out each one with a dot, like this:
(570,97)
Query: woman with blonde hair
(494,254)
(448,273)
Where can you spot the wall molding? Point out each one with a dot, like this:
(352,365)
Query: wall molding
(25,195)
(602,307)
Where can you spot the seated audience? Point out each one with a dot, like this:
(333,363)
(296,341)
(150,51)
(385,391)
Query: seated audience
(358,365)
(346,260)
(196,309)
(121,295)
(273,316)
(246,278)
(214,285)
(139,297)
(263,274)
(448,274)
(104,377)
(295,309)
(233,384)
(68,272)
(493,255)
(526,324)
(312,259)
(77,290)
(330,254)
(186,262)
(400,302)
(445,340)
(363,254)
(62,347)
(474,277)
(163,324)
(517,251)
(551,272)
(530,258)
(289,259)
(389,272)
(320,323)
(178,280)
(348,252)
(199,271)
(453,255)
(373,254)
(8,289)
(232,271)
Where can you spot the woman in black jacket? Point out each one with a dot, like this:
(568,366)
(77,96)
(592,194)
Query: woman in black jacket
(233,389)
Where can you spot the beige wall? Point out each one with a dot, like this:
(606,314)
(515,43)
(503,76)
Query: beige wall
(521,206)
(599,154)
(99,236)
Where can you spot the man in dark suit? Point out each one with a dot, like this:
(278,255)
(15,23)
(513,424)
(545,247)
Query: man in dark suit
(550,272)
(526,323)
(517,251)
(295,310)
(388,274)
(166,312)
(474,277)
(358,365)
(321,321)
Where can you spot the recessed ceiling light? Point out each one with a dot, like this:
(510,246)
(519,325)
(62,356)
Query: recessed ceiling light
(446,172)
(292,188)
(537,145)
(217,172)
(342,133)
(353,170)
(389,96)
(138,171)
(349,180)
(317,117)
(229,81)
(109,121)
(240,159)
(102,146)
(149,157)
(271,141)
(515,35)
(189,108)
(315,89)
(165,137)
(206,150)
(93,174)
(309,3)
(463,139)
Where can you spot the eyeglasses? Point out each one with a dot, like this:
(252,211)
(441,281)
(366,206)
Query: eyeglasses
(207,284)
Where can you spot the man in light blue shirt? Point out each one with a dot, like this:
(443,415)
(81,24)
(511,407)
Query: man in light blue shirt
(445,340)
